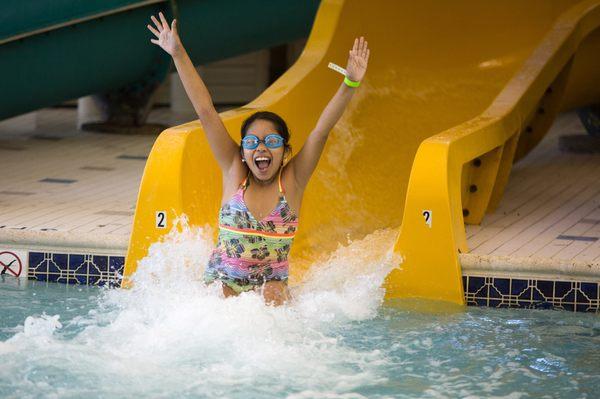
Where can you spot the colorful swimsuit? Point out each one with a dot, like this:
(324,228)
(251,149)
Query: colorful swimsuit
(250,252)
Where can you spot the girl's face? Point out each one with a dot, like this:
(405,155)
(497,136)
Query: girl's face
(263,162)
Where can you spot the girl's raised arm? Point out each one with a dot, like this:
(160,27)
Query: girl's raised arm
(222,145)
(305,162)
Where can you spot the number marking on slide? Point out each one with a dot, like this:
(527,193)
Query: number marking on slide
(161,219)
(427,215)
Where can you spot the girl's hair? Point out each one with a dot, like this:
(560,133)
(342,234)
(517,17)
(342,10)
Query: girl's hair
(280,126)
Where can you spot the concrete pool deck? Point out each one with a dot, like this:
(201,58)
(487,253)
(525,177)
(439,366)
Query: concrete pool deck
(548,221)
(69,188)
(67,197)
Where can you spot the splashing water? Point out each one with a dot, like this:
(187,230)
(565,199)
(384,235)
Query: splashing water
(173,336)
(172,327)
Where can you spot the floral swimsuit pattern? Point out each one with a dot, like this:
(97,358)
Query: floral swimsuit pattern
(250,252)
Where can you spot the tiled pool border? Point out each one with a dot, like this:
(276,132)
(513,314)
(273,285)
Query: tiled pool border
(75,268)
(532,293)
(490,291)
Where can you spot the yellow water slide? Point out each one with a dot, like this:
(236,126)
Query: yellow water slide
(454,92)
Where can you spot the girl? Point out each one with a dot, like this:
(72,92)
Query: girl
(259,216)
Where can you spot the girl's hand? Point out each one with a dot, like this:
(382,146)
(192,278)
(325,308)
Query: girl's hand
(168,39)
(357,60)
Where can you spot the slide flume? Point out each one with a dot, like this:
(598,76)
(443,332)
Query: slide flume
(435,67)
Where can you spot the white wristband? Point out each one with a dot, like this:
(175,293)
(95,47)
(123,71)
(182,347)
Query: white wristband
(338,68)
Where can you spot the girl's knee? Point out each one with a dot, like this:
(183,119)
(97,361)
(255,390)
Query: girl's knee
(275,292)
(228,291)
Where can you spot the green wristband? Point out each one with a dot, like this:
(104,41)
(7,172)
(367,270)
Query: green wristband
(351,83)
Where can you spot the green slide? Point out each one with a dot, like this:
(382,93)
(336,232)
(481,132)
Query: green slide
(53,51)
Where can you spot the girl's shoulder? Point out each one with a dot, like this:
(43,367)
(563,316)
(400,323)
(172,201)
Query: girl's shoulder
(233,180)
(288,178)
(292,192)
(236,175)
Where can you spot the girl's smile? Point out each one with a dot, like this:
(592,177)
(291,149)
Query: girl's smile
(262,162)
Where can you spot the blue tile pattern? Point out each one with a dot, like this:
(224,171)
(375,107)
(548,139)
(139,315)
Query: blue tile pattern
(87,269)
(502,292)
(499,292)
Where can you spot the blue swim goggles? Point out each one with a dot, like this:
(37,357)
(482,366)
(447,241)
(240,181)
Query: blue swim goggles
(250,141)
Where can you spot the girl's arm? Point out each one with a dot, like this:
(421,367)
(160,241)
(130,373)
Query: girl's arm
(222,145)
(305,162)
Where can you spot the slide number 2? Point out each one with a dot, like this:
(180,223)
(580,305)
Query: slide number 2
(161,219)
(427,216)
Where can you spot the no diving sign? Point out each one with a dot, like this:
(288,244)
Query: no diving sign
(10,264)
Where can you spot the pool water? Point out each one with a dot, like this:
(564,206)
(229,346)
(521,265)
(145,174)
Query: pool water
(170,336)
